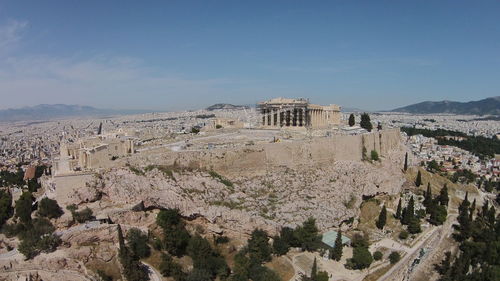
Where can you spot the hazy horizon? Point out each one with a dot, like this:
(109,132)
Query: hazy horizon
(177,55)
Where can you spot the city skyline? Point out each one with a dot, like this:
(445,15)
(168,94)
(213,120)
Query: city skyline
(177,55)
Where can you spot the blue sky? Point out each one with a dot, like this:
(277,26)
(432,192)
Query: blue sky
(168,55)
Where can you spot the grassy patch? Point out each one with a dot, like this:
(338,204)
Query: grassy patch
(282,266)
(222,179)
(136,171)
(374,276)
(228,204)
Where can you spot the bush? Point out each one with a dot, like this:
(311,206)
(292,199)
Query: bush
(49,208)
(403,235)
(221,240)
(83,216)
(6,209)
(374,155)
(377,255)
(218,126)
(394,257)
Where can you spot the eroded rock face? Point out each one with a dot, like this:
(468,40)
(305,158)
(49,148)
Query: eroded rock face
(330,193)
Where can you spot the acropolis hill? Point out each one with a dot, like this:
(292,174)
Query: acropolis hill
(286,147)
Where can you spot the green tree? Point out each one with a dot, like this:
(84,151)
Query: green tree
(414,226)
(443,196)
(137,242)
(394,257)
(438,214)
(258,246)
(374,155)
(418,180)
(382,218)
(338,247)
(361,258)
(6,209)
(169,268)
(352,120)
(428,196)
(314,270)
(175,235)
(405,167)
(308,235)
(280,247)
(398,210)
(365,122)
(403,235)
(49,208)
(24,207)
(377,255)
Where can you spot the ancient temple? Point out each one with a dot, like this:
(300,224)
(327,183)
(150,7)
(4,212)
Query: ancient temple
(284,112)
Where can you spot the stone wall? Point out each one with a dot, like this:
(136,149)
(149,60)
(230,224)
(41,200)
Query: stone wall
(260,158)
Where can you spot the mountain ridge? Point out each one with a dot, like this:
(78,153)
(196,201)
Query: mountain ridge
(54,111)
(487,106)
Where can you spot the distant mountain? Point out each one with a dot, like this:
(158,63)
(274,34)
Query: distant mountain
(226,106)
(53,111)
(488,106)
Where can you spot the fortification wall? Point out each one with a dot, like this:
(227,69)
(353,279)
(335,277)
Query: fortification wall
(260,158)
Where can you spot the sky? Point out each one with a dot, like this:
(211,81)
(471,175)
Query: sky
(176,55)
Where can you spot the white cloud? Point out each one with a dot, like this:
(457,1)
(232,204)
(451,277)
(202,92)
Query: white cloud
(10,34)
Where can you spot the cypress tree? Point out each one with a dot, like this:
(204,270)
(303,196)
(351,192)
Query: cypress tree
(382,218)
(418,180)
(405,167)
(398,210)
(352,121)
(337,249)
(443,196)
(314,270)
(472,209)
(428,196)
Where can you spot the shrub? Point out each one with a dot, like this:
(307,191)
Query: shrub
(49,208)
(374,155)
(377,255)
(361,258)
(403,234)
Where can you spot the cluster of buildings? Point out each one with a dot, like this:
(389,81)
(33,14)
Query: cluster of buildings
(451,158)
(469,124)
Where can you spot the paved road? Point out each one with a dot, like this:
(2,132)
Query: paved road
(153,274)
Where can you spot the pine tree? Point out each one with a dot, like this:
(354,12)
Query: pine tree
(314,270)
(428,196)
(405,167)
(418,180)
(365,122)
(352,120)
(398,210)
(382,218)
(337,249)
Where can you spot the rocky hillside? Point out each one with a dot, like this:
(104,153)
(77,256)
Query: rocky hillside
(285,196)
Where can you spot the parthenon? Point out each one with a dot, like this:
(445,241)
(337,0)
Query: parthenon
(284,112)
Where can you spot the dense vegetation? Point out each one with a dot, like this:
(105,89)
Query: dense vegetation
(478,145)
(478,234)
(36,234)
